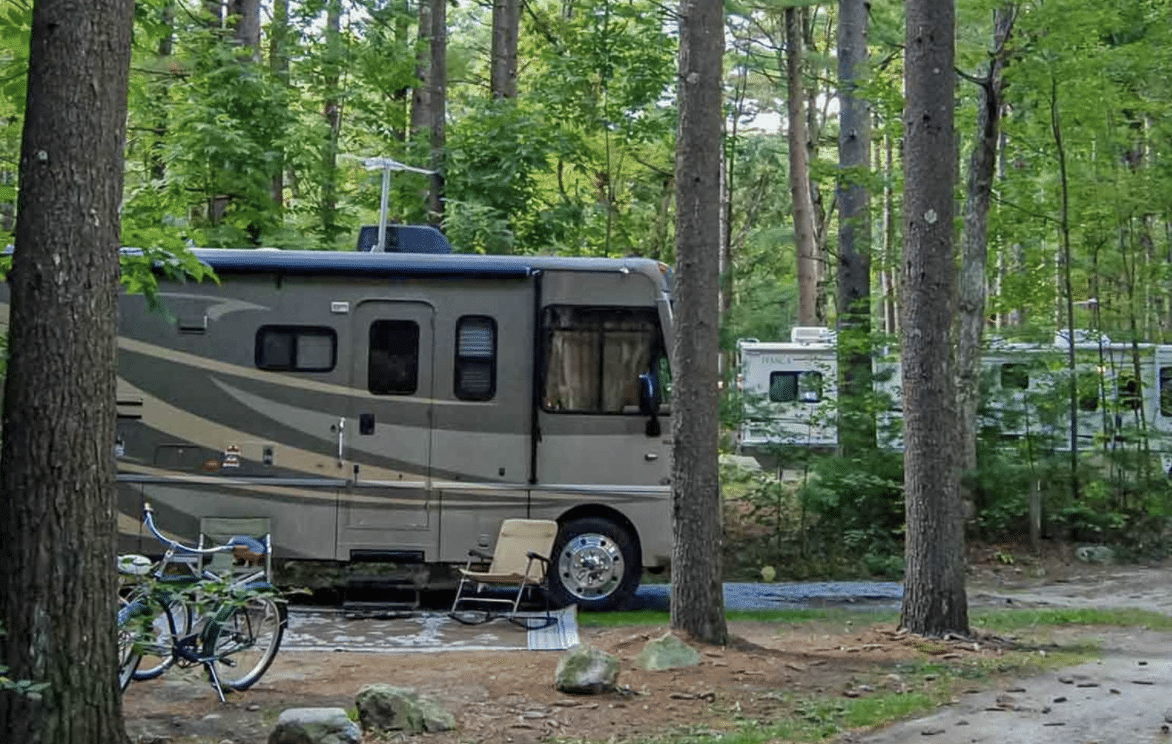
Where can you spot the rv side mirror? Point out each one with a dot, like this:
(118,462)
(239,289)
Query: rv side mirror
(649,402)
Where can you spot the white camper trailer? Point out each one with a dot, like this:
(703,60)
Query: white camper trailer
(396,407)
(789,389)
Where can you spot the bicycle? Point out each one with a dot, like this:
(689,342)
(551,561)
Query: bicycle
(231,625)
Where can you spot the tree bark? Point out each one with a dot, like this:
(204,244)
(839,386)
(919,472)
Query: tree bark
(420,109)
(973,279)
(437,101)
(58,589)
(856,422)
(245,15)
(156,166)
(332,114)
(279,65)
(934,601)
(506,22)
(697,599)
(799,173)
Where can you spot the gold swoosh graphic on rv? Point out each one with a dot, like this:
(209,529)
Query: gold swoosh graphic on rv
(254,486)
(188,427)
(301,420)
(188,359)
(218,307)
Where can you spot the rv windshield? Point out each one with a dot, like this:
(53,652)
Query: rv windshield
(594,356)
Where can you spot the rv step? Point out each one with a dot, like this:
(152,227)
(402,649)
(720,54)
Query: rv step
(386,556)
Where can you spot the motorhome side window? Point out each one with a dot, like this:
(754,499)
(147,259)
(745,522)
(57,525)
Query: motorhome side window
(1015,376)
(594,356)
(1166,391)
(393,366)
(790,387)
(475,358)
(296,348)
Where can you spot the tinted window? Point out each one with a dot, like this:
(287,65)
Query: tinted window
(475,370)
(393,367)
(1015,377)
(788,387)
(296,348)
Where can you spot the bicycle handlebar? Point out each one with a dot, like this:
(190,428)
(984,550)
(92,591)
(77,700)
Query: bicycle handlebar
(234,543)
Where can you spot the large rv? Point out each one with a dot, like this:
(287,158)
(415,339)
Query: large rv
(790,392)
(394,408)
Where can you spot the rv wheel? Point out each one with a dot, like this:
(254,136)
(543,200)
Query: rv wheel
(595,565)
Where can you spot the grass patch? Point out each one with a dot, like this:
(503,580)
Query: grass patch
(781,617)
(1023,619)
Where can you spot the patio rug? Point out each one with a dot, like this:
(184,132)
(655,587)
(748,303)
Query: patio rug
(329,629)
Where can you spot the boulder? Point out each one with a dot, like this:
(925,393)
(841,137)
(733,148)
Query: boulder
(1095,554)
(587,671)
(315,726)
(385,708)
(667,652)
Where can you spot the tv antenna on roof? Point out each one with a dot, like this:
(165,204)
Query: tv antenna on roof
(387,165)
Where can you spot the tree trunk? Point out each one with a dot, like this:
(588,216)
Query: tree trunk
(437,101)
(245,15)
(332,113)
(279,65)
(856,422)
(506,21)
(971,292)
(934,601)
(156,165)
(420,109)
(799,173)
(58,589)
(887,273)
(697,599)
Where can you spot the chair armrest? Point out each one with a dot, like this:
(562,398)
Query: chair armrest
(475,553)
(531,555)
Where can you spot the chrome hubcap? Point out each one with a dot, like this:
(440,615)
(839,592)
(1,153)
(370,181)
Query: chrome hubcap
(590,566)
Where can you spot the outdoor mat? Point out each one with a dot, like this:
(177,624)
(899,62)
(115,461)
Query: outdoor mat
(328,629)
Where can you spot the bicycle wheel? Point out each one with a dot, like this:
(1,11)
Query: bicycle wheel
(242,640)
(169,622)
(129,632)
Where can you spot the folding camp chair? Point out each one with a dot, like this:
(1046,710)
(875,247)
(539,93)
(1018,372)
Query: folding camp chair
(252,538)
(521,559)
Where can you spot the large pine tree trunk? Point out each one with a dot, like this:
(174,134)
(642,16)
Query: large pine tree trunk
(58,589)
(697,599)
(332,113)
(973,279)
(279,36)
(799,173)
(437,101)
(420,94)
(856,424)
(934,599)
(506,21)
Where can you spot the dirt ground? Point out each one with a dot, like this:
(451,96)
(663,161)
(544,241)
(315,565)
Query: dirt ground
(509,697)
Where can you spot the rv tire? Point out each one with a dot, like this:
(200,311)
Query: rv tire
(595,565)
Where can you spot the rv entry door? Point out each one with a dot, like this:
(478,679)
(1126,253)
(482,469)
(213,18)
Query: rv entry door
(384,514)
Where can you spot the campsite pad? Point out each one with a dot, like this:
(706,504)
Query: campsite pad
(318,629)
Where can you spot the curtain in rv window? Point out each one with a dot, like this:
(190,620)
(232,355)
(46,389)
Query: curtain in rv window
(393,366)
(594,356)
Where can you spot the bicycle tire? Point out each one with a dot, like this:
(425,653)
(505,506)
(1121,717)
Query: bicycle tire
(170,621)
(241,641)
(129,654)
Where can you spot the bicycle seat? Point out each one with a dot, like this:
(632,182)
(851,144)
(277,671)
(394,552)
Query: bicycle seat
(134,564)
